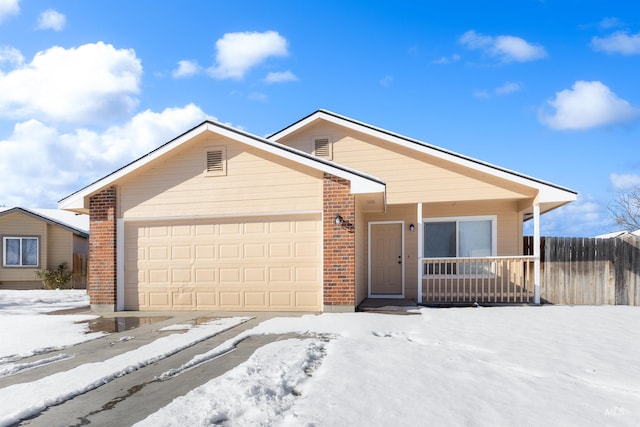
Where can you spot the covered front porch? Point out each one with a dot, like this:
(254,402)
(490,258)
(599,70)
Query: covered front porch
(466,252)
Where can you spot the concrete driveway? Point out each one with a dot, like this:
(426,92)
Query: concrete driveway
(132,397)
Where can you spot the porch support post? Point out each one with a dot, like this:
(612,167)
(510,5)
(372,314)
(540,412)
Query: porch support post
(536,253)
(420,252)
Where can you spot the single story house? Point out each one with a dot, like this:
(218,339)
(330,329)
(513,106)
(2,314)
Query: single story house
(319,216)
(37,239)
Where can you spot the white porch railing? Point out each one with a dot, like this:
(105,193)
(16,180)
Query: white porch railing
(497,279)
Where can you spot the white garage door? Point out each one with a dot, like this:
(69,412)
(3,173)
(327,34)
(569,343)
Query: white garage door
(266,263)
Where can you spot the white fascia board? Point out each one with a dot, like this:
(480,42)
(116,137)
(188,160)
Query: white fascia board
(547,192)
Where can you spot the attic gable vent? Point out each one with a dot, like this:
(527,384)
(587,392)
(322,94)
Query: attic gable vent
(322,147)
(215,161)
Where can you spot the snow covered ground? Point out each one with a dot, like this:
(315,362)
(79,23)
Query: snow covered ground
(547,366)
(552,365)
(26,330)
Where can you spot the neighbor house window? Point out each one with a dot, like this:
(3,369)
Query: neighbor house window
(20,251)
(215,161)
(461,237)
(323,147)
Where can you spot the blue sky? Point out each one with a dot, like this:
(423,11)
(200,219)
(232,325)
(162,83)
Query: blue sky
(546,88)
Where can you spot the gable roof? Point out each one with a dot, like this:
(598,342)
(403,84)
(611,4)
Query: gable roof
(360,182)
(77,224)
(551,194)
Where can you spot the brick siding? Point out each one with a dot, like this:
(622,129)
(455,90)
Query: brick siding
(339,242)
(102,248)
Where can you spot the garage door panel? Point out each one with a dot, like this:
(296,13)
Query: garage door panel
(253,264)
(230,276)
(280,250)
(232,229)
(158,231)
(181,252)
(180,230)
(280,275)
(229,251)
(205,276)
(254,251)
(305,275)
(255,299)
(306,250)
(205,253)
(158,276)
(207,300)
(159,299)
(307,299)
(255,275)
(230,299)
(183,299)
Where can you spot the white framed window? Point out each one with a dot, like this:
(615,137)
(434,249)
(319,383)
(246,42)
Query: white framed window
(459,237)
(322,146)
(20,251)
(215,161)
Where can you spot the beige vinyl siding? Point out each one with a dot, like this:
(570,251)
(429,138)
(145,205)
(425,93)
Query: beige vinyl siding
(59,247)
(408,214)
(17,224)
(255,181)
(410,176)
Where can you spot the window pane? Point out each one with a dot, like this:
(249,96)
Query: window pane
(12,251)
(29,251)
(439,239)
(474,238)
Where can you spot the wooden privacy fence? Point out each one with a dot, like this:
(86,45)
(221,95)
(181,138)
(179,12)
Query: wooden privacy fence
(79,278)
(589,271)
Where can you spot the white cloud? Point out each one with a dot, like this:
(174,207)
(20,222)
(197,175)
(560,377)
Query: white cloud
(51,20)
(505,89)
(618,42)
(11,56)
(9,7)
(446,59)
(586,105)
(624,181)
(186,69)
(508,87)
(281,77)
(258,96)
(481,93)
(237,53)
(586,217)
(504,48)
(386,81)
(610,22)
(91,83)
(41,165)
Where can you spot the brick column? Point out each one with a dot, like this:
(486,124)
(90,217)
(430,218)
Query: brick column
(339,245)
(102,250)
